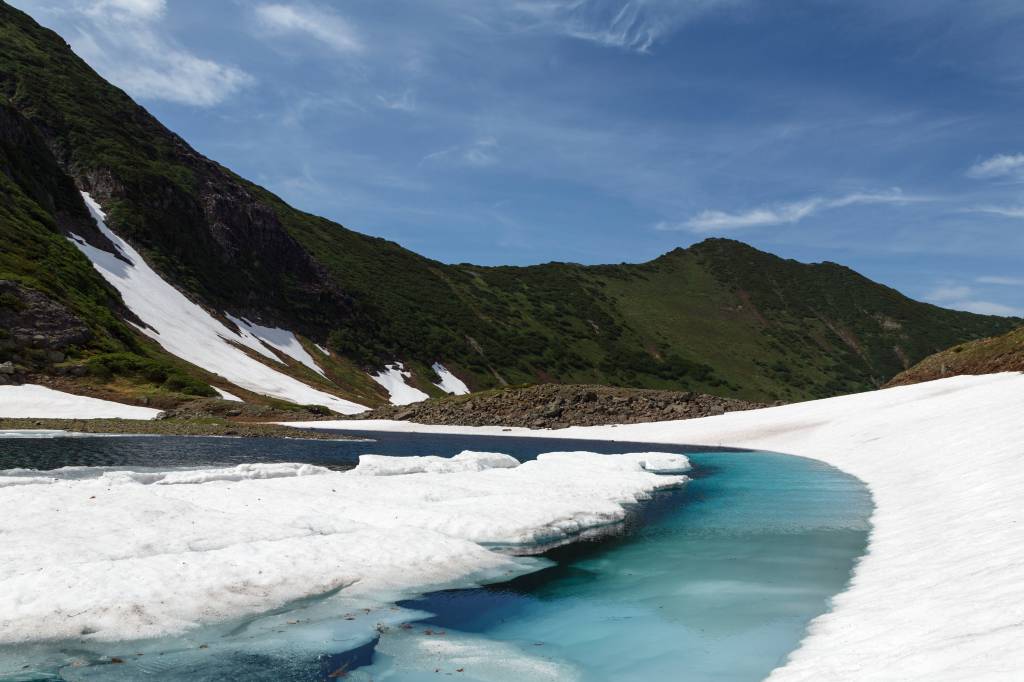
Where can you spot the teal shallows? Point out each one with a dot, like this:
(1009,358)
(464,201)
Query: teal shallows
(718,583)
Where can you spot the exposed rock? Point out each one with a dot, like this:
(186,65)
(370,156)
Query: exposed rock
(557,406)
(32,319)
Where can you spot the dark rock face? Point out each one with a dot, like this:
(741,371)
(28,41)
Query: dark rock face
(553,406)
(30,319)
(26,159)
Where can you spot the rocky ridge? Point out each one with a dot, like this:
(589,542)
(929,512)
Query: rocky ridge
(553,406)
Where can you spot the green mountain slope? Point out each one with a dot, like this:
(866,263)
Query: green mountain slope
(719,317)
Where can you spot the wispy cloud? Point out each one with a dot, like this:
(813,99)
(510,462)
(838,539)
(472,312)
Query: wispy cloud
(781,214)
(627,24)
(1005,211)
(1002,281)
(135,9)
(121,39)
(962,297)
(327,27)
(480,153)
(998,166)
(403,102)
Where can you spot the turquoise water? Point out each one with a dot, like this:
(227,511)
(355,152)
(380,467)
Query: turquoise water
(716,581)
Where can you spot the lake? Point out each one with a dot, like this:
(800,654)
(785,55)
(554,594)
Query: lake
(717,580)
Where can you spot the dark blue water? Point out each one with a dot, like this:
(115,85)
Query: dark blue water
(716,581)
(190,451)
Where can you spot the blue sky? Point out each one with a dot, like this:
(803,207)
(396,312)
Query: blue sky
(882,135)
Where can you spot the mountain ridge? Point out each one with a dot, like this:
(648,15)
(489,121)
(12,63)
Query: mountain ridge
(718,317)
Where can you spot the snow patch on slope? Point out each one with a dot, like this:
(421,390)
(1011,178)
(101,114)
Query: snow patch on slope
(449,382)
(392,378)
(227,396)
(186,330)
(280,339)
(31,401)
(145,558)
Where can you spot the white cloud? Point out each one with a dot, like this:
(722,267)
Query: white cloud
(949,292)
(961,297)
(122,40)
(986,308)
(781,214)
(1002,281)
(327,27)
(998,166)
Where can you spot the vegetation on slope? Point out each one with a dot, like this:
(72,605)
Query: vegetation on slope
(719,317)
(1003,353)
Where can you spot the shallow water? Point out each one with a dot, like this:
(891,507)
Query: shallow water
(716,581)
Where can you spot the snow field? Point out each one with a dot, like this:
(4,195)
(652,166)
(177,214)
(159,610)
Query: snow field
(114,555)
(186,330)
(40,402)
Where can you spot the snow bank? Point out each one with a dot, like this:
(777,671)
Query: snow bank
(384,465)
(449,382)
(655,462)
(392,378)
(189,332)
(31,401)
(102,554)
(940,593)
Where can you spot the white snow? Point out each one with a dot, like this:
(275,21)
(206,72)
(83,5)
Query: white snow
(186,330)
(940,593)
(322,349)
(279,339)
(449,382)
(392,378)
(32,401)
(384,465)
(96,553)
(227,396)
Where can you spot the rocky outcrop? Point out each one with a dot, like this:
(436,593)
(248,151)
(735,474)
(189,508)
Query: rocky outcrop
(32,319)
(35,331)
(552,406)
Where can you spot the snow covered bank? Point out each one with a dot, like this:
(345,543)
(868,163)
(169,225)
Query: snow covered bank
(186,330)
(392,378)
(40,402)
(940,593)
(101,554)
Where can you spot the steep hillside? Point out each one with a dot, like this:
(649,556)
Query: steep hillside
(1003,353)
(719,317)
